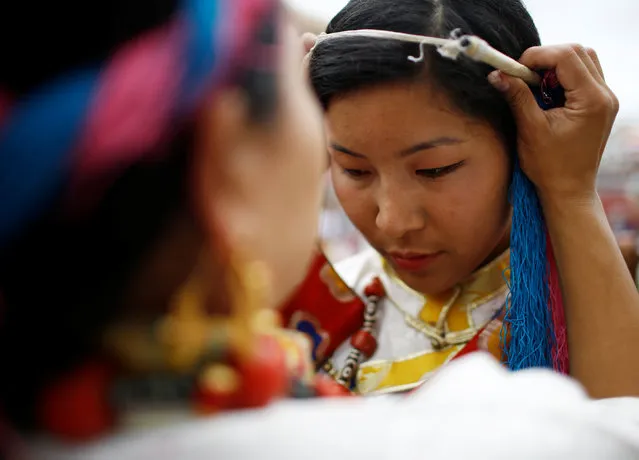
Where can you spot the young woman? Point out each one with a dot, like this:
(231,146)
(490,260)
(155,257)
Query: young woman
(421,160)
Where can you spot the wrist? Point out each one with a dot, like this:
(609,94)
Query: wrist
(567,191)
(565,204)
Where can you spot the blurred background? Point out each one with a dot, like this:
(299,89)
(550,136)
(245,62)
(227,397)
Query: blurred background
(608,27)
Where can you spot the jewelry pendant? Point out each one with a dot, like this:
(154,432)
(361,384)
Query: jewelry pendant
(437,345)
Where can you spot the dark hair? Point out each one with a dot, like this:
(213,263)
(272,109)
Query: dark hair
(343,65)
(62,281)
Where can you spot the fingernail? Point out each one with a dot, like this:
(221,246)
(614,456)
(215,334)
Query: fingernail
(496,79)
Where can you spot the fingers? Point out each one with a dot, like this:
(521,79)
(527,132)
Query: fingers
(579,72)
(595,59)
(521,100)
(585,54)
(569,66)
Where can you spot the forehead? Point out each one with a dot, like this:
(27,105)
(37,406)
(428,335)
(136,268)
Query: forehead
(404,112)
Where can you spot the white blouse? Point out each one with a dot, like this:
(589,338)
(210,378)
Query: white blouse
(533,414)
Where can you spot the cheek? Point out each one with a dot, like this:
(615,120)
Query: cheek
(290,187)
(300,185)
(301,155)
(357,201)
(478,205)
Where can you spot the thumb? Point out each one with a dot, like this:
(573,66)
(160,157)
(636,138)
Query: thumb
(520,98)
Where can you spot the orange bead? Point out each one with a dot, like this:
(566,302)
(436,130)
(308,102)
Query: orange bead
(364,342)
(375,288)
(76,406)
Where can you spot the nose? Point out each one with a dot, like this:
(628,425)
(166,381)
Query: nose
(398,213)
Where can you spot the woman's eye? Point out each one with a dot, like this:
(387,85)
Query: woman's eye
(355,173)
(434,173)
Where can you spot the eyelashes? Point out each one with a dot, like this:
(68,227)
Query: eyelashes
(431,173)
(434,173)
(355,173)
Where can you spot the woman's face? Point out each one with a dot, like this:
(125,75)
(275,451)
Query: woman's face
(425,185)
(293,181)
(271,191)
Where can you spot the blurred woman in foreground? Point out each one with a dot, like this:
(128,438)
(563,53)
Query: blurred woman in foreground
(150,174)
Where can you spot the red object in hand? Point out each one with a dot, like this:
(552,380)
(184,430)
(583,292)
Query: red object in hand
(76,406)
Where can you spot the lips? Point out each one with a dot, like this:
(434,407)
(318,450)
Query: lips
(412,261)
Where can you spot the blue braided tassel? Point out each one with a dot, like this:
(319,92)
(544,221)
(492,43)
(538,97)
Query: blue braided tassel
(528,319)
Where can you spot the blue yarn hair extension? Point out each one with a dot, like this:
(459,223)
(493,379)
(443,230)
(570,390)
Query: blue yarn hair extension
(528,335)
(528,319)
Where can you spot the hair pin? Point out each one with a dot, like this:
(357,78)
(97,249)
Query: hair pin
(469,45)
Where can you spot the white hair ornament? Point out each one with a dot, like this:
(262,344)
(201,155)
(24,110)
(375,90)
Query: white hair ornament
(469,45)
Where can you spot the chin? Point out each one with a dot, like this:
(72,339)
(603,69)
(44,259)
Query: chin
(428,284)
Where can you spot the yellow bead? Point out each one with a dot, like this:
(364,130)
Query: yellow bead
(220,378)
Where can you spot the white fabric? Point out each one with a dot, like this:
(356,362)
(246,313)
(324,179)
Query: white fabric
(473,409)
(395,339)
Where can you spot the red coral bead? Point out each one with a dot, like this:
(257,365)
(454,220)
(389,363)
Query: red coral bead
(212,397)
(261,379)
(364,342)
(76,406)
(326,387)
(375,288)
(266,376)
